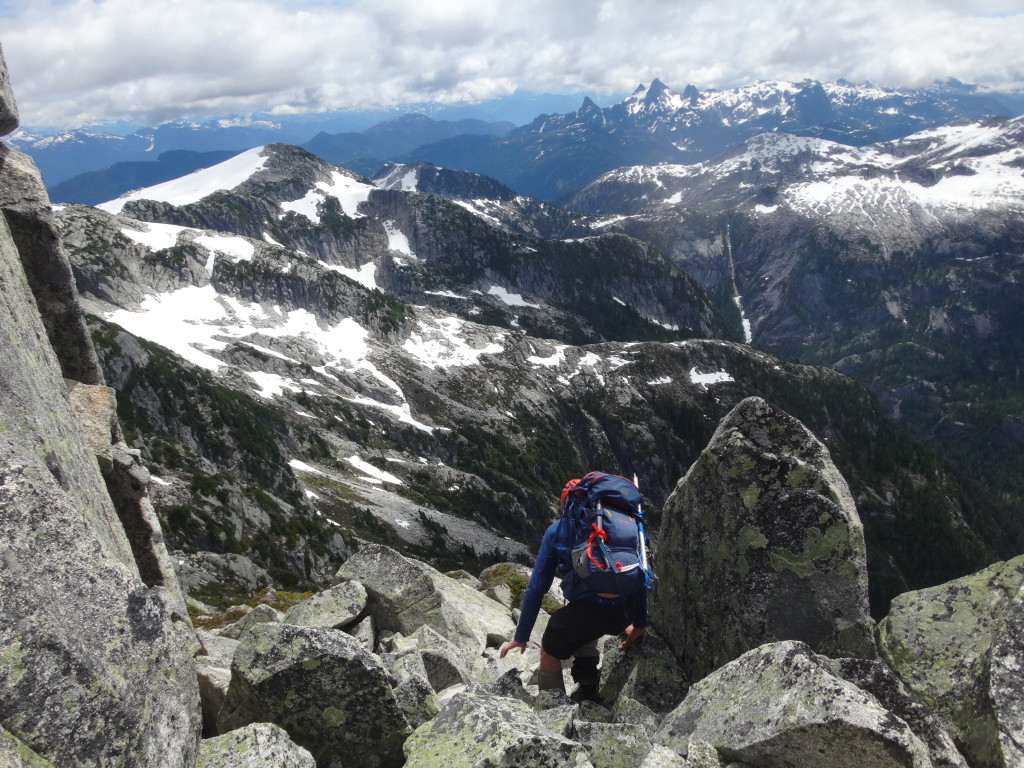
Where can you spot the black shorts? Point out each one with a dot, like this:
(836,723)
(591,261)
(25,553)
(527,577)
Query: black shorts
(580,622)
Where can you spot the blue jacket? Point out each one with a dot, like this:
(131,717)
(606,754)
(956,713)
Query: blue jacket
(554,549)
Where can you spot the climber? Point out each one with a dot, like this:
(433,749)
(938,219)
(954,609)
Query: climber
(574,629)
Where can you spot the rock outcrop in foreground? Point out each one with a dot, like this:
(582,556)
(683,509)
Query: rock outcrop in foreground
(96,664)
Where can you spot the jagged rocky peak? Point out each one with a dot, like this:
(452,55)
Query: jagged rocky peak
(656,91)
(589,108)
(657,97)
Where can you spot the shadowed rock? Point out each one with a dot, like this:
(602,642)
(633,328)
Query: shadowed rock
(321,686)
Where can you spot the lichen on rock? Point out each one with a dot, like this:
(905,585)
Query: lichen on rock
(957,647)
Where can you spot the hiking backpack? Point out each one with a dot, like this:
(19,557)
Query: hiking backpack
(604,539)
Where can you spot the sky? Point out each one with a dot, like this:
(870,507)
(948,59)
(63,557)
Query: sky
(81,62)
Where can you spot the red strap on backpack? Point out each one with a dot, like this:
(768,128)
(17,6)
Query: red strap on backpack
(594,533)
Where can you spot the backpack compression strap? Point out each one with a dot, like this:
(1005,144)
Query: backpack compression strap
(602,536)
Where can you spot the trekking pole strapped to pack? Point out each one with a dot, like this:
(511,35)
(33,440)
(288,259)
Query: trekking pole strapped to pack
(644,564)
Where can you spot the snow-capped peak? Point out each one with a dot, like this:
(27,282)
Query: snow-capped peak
(657,97)
(196,186)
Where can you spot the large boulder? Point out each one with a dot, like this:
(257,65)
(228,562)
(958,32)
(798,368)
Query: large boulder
(338,607)
(404,595)
(958,647)
(323,687)
(761,542)
(478,729)
(782,705)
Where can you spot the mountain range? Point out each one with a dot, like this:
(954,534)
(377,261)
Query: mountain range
(549,155)
(556,154)
(899,263)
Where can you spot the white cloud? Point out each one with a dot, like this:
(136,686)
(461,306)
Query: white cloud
(77,61)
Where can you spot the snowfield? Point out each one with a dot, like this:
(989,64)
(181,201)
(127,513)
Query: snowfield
(196,186)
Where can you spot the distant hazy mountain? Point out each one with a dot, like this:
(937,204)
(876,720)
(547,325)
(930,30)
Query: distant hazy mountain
(367,150)
(65,154)
(79,165)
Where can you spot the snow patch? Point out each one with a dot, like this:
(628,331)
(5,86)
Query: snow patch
(348,191)
(555,360)
(272,384)
(439,344)
(373,474)
(365,275)
(706,379)
(195,321)
(397,241)
(512,299)
(156,236)
(302,466)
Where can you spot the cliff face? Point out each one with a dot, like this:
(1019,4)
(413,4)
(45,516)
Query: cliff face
(96,665)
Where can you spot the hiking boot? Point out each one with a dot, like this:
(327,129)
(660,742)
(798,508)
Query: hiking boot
(587,692)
